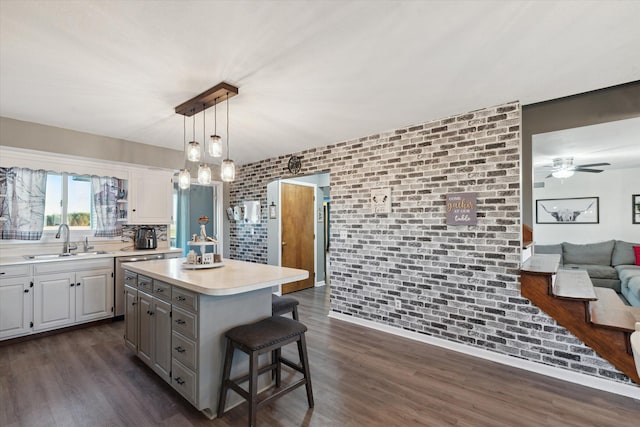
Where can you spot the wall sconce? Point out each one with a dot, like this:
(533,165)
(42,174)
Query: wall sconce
(272,211)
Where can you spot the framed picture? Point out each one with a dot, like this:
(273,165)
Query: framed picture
(635,208)
(580,210)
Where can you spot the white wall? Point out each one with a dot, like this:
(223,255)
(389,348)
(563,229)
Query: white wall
(613,187)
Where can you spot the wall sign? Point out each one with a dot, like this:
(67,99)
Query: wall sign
(461,209)
(381,200)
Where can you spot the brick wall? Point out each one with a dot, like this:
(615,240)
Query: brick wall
(458,283)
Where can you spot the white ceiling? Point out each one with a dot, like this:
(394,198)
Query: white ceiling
(617,143)
(309,73)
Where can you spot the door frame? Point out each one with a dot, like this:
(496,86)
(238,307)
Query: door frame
(315,225)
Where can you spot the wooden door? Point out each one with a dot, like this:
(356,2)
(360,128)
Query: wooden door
(298,238)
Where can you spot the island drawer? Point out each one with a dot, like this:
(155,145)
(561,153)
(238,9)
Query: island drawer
(15,271)
(185,323)
(184,298)
(162,290)
(145,283)
(183,380)
(184,350)
(130,279)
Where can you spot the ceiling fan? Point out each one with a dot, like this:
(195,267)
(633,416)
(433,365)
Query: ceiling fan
(563,167)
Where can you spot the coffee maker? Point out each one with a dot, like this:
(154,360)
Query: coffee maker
(146,238)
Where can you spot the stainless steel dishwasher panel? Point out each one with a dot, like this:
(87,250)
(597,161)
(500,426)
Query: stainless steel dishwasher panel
(119,296)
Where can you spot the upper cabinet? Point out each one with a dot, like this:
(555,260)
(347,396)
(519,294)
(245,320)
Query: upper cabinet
(150,197)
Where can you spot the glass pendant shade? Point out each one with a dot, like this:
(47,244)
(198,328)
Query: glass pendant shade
(184,179)
(228,170)
(204,174)
(215,146)
(562,173)
(193,151)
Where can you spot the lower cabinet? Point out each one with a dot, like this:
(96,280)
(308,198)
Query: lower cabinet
(131,317)
(154,338)
(66,293)
(16,303)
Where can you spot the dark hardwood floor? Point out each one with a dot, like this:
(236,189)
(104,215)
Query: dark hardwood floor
(361,377)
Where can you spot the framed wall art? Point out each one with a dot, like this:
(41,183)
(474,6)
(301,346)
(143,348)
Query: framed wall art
(579,210)
(635,208)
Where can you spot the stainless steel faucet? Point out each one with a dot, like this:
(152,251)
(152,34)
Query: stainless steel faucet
(66,247)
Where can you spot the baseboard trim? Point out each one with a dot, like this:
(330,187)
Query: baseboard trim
(550,371)
(322,283)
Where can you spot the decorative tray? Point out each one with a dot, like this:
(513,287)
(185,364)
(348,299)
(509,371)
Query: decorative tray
(201,266)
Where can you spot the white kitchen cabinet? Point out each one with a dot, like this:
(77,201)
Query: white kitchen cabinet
(16,302)
(54,301)
(66,293)
(150,199)
(94,295)
(154,338)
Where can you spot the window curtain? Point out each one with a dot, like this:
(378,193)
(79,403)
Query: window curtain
(22,200)
(106,191)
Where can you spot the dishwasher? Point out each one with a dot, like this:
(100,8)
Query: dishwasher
(119,284)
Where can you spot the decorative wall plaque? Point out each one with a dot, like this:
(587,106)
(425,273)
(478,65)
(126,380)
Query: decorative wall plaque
(295,164)
(381,200)
(461,209)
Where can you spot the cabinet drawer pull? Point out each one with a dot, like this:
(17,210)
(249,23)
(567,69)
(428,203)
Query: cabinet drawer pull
(179,349)
(159,290)
(180,322)
(179,380)
(26,291)
(181,298)
(72,285)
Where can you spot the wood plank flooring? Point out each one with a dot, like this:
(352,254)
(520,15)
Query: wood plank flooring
(361,377)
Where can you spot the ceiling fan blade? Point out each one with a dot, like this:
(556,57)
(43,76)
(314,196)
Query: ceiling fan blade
(593,164)
(588,170)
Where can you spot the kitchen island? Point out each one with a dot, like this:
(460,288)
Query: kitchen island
(175,319)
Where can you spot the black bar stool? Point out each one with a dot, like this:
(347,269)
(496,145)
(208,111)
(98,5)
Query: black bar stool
(268,335)
(284,305)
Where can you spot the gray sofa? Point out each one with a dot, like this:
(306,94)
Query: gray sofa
(610,264)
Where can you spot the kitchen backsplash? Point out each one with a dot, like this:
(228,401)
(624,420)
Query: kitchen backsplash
(129,232)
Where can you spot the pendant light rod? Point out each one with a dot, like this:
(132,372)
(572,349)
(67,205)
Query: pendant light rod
(228,126)
(206,99)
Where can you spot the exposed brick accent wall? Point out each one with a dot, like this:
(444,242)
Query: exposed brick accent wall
(459,283)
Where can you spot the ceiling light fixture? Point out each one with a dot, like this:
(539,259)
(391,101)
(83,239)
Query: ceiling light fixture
(215,142)
(211,97)
(228,169)
(184,177)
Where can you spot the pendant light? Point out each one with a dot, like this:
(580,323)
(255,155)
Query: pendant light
(215,142)
(204,172)
(228,169)
(193,152)
(184,177)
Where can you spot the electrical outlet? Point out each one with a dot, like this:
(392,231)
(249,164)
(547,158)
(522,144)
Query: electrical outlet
(398,304)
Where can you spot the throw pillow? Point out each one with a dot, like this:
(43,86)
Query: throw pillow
(636,249)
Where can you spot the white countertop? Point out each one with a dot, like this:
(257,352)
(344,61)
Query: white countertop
(234,277)
(17,260)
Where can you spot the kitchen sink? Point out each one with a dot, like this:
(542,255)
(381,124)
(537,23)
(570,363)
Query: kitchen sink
(92,253)
(55,256)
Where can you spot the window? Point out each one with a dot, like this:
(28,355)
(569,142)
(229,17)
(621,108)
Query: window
(68,201)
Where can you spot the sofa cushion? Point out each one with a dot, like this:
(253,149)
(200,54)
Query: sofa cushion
(592,253)
(594,271)
(625,272)
(549,249)
(634,287)
(623,253)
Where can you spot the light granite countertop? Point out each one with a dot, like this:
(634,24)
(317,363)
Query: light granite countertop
(234,277)
(79,256)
